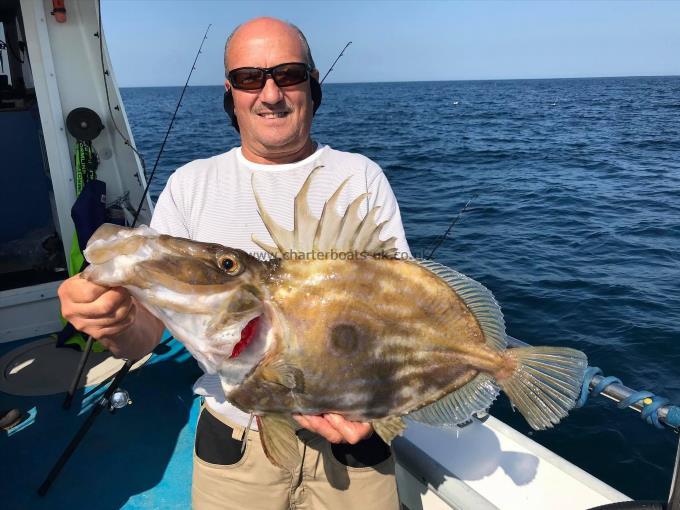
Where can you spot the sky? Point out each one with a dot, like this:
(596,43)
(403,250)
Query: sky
(154,42)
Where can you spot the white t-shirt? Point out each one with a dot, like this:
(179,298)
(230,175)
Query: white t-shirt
(212,200)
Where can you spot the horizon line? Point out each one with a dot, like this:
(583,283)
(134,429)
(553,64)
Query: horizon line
(439,81)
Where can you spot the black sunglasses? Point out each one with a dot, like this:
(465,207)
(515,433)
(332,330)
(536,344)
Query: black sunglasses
(254,78)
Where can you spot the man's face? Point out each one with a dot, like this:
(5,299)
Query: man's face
(274,121)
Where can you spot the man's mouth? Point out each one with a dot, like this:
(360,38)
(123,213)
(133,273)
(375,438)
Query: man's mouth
(247,335)
(273,115)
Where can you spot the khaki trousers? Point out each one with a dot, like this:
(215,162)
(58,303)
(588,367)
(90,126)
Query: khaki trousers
(319,482)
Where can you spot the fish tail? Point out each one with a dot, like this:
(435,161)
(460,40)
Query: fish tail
(544,382)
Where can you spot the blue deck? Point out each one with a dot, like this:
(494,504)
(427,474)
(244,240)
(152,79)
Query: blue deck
(138,458)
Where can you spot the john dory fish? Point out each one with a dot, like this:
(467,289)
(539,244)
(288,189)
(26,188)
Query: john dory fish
(371,337)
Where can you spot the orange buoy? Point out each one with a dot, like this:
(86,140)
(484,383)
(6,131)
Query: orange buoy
(58,11)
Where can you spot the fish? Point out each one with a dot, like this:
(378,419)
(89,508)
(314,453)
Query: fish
(336,321)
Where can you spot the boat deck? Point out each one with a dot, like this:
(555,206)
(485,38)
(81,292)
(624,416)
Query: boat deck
(141,456)
(137,458)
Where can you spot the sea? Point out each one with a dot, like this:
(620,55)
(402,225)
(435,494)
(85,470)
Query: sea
(564,196)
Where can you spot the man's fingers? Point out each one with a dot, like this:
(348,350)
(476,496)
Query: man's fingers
(80,290)
(335,428)
(344,427)
(303,421)
(114,330)
(110,301)
(96,310)
(102,331)
(321,426)
(352,432)
(112,304)
(123,315)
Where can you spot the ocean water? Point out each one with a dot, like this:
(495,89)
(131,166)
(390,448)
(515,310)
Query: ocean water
(574,222)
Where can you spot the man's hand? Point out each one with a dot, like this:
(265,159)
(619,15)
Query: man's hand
(110,315)
(95,310)
(334,428)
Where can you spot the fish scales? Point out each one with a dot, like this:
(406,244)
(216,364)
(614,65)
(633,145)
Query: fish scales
(366,335)
(380,343)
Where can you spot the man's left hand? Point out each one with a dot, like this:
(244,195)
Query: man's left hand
(334,428)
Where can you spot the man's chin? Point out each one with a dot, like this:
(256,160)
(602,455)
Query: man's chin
(281,142)
(275,141)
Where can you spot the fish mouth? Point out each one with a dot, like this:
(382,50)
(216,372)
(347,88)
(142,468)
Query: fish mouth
(248,333)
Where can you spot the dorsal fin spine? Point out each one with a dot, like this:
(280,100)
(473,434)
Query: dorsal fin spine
(331,232)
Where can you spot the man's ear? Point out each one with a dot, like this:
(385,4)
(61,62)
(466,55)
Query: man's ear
(227,85)
(315,74)
(228,104)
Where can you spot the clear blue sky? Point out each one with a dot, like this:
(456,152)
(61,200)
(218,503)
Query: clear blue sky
(154,42)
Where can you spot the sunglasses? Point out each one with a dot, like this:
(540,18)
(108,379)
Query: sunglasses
(254,78)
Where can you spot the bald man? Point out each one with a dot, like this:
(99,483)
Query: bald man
(272,92)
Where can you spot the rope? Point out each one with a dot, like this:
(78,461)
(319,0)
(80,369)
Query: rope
(651,404)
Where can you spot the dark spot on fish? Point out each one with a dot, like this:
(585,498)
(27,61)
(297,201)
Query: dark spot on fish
(344,339)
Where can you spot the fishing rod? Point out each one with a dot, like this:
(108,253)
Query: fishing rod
(335,62)
(438,243)
(167,133)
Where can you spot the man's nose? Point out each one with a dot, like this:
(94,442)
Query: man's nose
(271,93)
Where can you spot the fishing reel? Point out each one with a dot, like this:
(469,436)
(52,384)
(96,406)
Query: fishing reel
(119,399)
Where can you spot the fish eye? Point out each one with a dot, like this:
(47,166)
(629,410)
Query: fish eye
(229,264)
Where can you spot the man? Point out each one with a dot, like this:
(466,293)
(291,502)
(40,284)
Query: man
(343,464)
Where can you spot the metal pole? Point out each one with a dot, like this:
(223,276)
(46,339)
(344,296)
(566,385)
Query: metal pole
(79,373)
(616,392)
(71,447)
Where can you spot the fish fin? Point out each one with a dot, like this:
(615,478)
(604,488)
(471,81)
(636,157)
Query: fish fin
(272,250)
(282,238)
(279,441)
(284,374)
(304,223)
(457,407)
(545,383)
(330,221)
(478,299)
(332,232)
(389,428)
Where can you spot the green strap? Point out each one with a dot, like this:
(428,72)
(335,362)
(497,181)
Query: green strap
(86,163)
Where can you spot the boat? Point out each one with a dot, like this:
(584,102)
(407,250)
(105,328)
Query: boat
(59,70)
(58,64)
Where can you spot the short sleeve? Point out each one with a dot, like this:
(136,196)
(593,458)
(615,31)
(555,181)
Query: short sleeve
(383,196)
(169,216)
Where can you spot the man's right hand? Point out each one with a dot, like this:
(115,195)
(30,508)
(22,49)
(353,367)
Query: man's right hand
(110,315)
(95,310)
